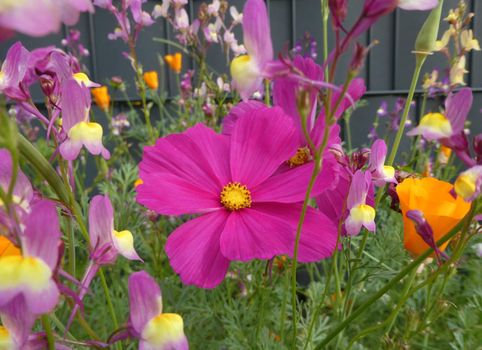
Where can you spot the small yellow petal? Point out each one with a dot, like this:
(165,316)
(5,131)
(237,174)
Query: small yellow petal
(164,329)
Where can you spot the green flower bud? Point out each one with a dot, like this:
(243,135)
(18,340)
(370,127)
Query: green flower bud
(425,43)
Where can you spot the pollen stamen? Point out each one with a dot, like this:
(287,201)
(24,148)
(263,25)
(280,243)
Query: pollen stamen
(302,156)
(235,196)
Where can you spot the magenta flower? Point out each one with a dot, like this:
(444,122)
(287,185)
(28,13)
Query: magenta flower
(247,71)
(13,72)
(381,173)
(75,122)
(22,190)
(425,231)
(17,322)
(155,329)
(361,214)
(44,18)
(468,184)
(30,275)
(249,210)
(438,126)
(105,242)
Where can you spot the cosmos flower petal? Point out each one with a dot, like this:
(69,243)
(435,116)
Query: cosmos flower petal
(254,235)
(180,155)
(285,90)
(254,156)
(172,195)
(194,252)
(241,109)
(145,299)
(215,150)
(319,234)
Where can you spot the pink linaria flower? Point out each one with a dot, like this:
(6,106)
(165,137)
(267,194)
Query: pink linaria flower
(361,214)
(155,329)
(444,127)
(247,71)
(80,130)
(42,17)
(249,209)
(381,173)
(30,275)
(13,71)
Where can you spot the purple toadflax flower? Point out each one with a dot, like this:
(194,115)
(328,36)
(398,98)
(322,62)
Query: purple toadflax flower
(147,322)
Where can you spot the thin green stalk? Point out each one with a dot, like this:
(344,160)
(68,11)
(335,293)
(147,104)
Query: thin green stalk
(283,307)
(267,93)
(325,15)
(403,299)
(316,170)
(48,332)
(109,301)
(347,118)
(394,281)
(420,59)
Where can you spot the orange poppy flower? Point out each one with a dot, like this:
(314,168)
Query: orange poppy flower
(174,62)
(101,97)
(441,210)
(7,248)
(151,79)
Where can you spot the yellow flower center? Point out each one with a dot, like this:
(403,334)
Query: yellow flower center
(302,156)
(6,341)
(389,171)
(18,271)
(465,185)
(235,196)
(363,213)
(163,330)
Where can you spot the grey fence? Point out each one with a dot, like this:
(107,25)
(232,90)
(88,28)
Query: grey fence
(387,73)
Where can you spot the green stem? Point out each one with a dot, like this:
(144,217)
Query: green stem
(325,14)
(267,93)
(48,332)
(348,130)
(394,281)
(316,170)
(420,59)
(109,301)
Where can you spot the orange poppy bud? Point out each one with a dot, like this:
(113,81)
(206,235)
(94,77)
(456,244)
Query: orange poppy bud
(7,248)
(151,79)
(101,97)
(174,62)
(441,210)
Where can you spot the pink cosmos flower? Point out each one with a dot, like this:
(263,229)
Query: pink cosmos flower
(43,18)
(361,214)
(249,210)
(155,329)
(80,131)
(381,173)
(247,70)
(30,275)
